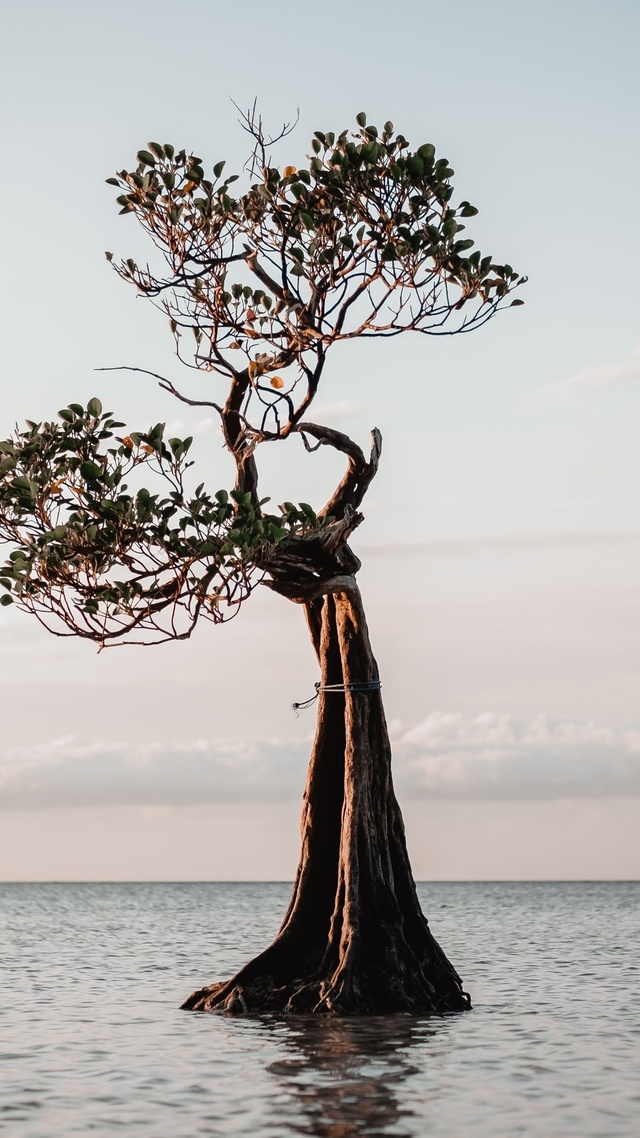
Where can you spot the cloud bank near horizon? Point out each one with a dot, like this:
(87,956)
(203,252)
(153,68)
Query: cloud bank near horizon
(489,757)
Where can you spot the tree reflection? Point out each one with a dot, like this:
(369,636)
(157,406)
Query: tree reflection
(344,1077)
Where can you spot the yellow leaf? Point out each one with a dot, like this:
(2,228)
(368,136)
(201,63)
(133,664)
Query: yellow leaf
(127,442)
(147,449)
(288,171)
(277,382)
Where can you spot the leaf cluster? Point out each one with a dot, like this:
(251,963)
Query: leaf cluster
(111,560)
(363,239)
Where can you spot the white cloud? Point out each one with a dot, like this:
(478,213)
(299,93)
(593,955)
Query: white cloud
(604,375)
(69,772)
(341,411)
(446,756)
(492,756)
(503,543)
(181,430)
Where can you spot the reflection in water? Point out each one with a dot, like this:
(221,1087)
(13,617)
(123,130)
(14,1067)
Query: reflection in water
(345,1076)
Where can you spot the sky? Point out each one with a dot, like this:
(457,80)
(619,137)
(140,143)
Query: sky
(501,542)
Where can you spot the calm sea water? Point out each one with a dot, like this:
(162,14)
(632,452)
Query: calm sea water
(92,1041)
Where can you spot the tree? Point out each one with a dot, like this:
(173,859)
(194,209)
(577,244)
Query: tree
(362,241)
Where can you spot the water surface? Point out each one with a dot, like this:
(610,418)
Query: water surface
(92,1041)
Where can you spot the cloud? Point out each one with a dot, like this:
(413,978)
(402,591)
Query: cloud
(501,543)
(70,772)
(341,411)
(493,756)
(605,375)
(446,756)
(181,429)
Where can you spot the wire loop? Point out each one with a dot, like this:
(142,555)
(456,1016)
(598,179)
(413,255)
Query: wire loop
(357,686)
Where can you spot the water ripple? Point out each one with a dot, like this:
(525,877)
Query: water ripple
(93,1042)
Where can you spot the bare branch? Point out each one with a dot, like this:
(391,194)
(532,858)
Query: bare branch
(350,492)
(166,385)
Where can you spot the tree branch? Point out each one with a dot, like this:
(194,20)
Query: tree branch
(166,385)
(359,474)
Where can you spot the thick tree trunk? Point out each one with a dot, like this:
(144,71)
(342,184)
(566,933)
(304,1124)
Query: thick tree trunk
(354,939)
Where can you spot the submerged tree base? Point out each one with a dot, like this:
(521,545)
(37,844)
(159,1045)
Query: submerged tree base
(354,940)
(374,995)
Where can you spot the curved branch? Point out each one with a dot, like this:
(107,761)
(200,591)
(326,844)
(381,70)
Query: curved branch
(166,385)
(359,474)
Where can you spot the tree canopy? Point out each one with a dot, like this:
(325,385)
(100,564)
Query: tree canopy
(361,240)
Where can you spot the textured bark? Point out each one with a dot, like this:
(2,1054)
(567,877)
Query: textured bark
(354,939)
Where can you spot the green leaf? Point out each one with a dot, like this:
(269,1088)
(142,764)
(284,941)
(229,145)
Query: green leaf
(112,181)
(90,471)
(94,407)
(6,600)
(515,303)
(145,158)
(361,119)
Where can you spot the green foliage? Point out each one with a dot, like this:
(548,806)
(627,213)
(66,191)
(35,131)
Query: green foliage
(364,239)
(108,559)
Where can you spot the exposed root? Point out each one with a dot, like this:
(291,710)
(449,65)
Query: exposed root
(339,995)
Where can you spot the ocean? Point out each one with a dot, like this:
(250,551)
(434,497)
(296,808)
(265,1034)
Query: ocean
(92,1041)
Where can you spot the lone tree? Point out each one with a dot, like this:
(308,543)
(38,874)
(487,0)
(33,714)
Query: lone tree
(362,241)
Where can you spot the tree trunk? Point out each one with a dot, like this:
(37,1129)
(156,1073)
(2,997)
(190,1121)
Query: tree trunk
(354,939)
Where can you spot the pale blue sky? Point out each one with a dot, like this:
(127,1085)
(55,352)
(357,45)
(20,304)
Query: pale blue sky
(520,550)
